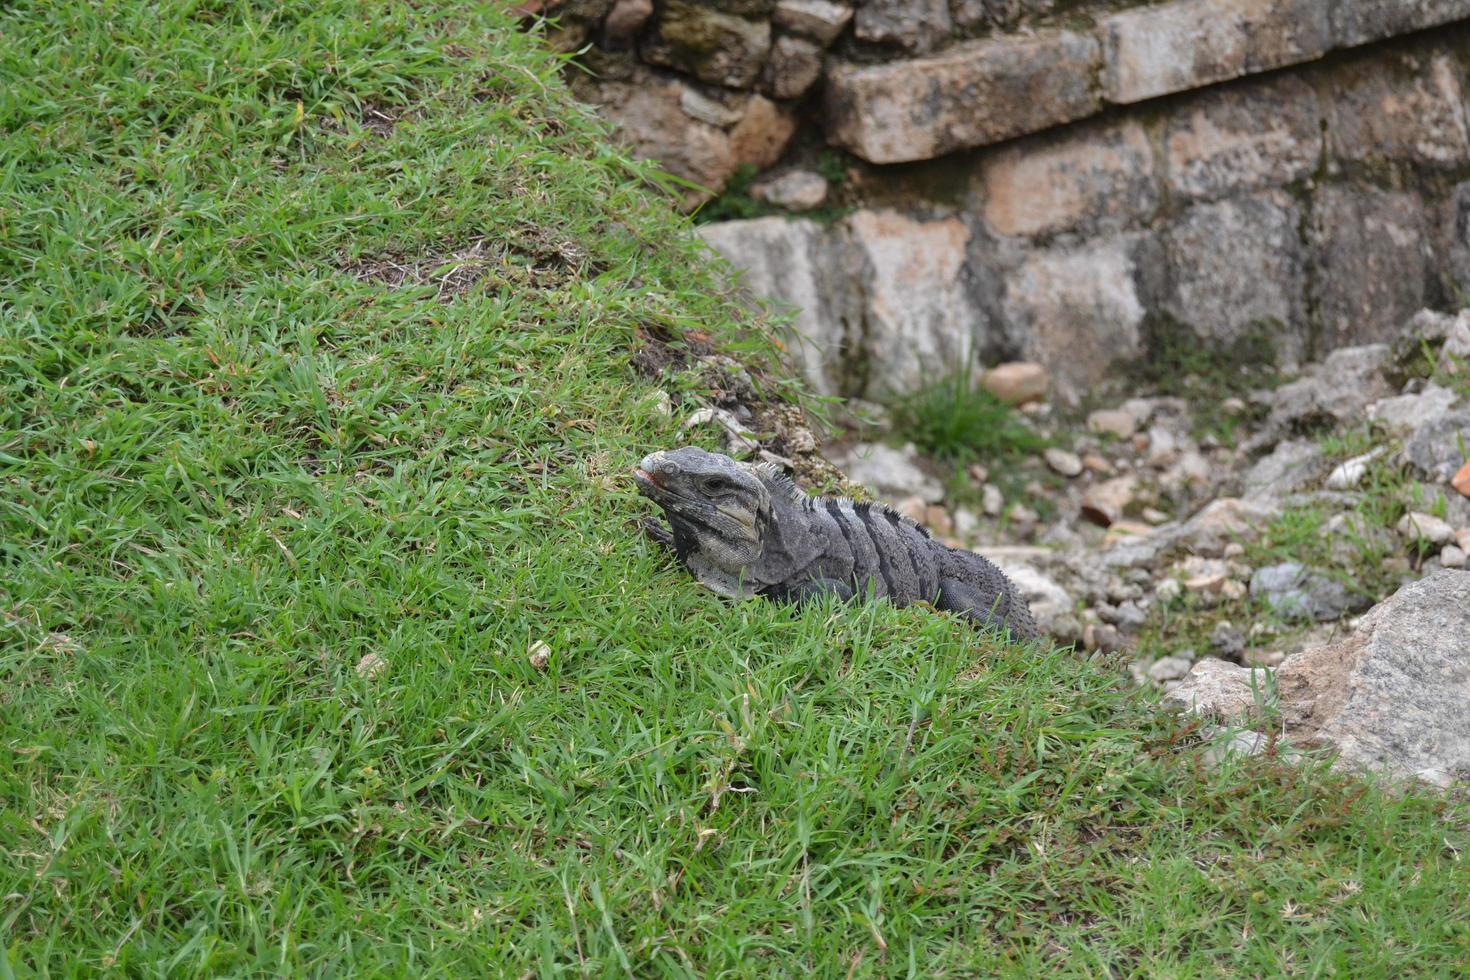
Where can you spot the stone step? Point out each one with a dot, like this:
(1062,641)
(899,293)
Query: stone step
(976,93)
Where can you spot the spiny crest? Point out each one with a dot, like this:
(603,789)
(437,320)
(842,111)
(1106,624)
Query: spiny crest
(779,483)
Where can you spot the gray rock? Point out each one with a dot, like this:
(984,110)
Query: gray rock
(1174,47)
(1291,466)
(1435,449)
(1407,109)
(969,94)
(1090,175)
(713,46)
(1295,593)
(1368,259)
(892,473)
(1227,642)
(1416,526)
(1063,462)
(1334,392)
(1051,605)
(798,190)
(1368,20)
(1079,309)
(1453,556)
(1349,473)
(1169,668)
(914,25)
(918,316)
(1214,688)
(786,261)
(1403,414)
(1392,695)
(1237,263)
(794,66)
(817,19)
(1256,134)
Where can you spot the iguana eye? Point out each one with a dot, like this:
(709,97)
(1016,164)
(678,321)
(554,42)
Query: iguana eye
(715,484)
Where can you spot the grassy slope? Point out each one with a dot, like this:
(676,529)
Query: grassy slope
(230,470)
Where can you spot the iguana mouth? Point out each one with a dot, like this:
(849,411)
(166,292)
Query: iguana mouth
(647,477)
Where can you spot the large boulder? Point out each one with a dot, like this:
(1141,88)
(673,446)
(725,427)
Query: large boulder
(1395,694)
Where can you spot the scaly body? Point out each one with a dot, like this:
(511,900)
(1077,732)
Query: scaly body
(745,530)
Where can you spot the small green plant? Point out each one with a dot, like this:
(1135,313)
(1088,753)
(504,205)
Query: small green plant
(735,203)
(958,421)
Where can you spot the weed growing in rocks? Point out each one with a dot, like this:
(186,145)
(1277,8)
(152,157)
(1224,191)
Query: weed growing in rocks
(955,420)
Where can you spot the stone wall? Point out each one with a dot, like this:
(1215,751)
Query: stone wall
(1056,180)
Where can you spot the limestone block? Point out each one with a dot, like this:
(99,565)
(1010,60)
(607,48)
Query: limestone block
(1409,106)
(1078,309)
(1243,137)
(1236,263)
(782,260)
(914,25)
(1392,694)
(1454,235)
(762,134)
(1368,20)
(793,67)
(971,94)
(713,46)
(1082,176)
(972,15)
(1368,263)
(919,319)
(1162,48)
(650,117)
(816,19)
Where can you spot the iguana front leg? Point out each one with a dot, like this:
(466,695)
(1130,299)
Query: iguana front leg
(657,532)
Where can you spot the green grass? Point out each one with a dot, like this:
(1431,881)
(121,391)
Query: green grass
(956,420)
(237,462)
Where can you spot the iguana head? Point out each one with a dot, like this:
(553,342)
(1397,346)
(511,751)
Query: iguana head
(717,507)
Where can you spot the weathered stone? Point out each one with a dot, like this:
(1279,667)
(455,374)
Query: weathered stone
(648,112)
(1187,44)
(783,260)
(1349,473)
(1452,556)
(1415,526)
(1105,503)
(1409,106)
(1293,465)
(1222,521)
(1436,449)
(798,190)
(1336,391)
(1078,310)
(1243,137)
(919,319)
(762,134)
(1016,382)
(970,15)
(794,67)
(892,473)
(1081,176)
(1237,264)
(626,18)
(914,25)
(817,19)
(1296,593)
(713,46)
(1369,261)
(969,95)
(1063,462)
(1392,695)
(722,111)
(1115,421)
(1214,688)
(1402,414)
(991,500)
(1050,604)
(1169,668)
(1368,20)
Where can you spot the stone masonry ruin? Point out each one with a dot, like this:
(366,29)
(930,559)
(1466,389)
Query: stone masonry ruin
(1065,181)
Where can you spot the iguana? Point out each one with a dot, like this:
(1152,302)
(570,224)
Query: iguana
(745,529)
